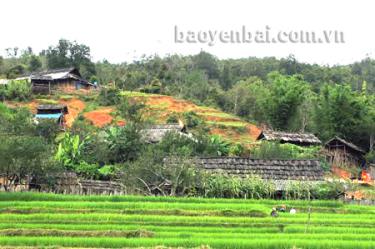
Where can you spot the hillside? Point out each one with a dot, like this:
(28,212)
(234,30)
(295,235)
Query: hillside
(158,108)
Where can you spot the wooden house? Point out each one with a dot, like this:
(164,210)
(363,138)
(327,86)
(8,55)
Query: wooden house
(341,152)
(66,79)
(302,139)
(54,112)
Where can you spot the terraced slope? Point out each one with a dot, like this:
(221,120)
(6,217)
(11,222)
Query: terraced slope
(41,220)
(226,125)
(159,107)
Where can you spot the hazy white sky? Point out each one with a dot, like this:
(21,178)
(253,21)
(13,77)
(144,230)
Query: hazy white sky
(124,30)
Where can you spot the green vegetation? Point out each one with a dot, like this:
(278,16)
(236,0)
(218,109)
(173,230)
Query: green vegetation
(48,220)
(274,150)
(19,90)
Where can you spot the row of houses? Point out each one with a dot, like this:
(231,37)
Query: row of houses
(337,151)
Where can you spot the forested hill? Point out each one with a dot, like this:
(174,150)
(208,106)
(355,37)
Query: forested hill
(282,94)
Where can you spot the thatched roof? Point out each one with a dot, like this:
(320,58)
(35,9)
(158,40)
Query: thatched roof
(156,133)
(288,137)
(336,141)
(277,171)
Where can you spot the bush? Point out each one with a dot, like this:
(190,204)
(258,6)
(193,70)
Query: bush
(124,143)
(109,96)
(172,118)
(47,129)
(272,150)
(329,190)
(18,90)
(236,150)
(216,146)
(149,175)
(154,87)
(192,119)
(131,110)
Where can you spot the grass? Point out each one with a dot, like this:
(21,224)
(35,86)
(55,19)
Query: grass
(46,220)
(47,101)
(228,124)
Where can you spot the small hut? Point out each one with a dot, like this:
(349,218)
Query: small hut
(301,139)
(54,112)
(341,152)
(156,133)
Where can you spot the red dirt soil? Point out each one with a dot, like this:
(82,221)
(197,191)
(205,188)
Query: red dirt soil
(121,123)
(100,117)
(170,103)
(75,107)
(343,174)
(253,131)
(219,119)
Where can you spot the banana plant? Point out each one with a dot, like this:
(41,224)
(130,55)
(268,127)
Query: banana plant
(69,150)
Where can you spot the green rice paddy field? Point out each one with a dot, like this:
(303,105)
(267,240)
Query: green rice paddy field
(33,220)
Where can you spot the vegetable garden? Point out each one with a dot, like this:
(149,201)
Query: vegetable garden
(39,220)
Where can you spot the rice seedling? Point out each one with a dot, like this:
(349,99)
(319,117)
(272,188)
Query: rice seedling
(47,220)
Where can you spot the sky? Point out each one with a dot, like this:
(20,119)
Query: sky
(123,31)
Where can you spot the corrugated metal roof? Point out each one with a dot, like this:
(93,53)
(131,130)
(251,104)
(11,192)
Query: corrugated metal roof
(49,116)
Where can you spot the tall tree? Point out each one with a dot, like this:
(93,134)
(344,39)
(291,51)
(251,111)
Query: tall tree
(70,54)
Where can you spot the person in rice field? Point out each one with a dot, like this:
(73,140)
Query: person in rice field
(274,212)
(282,208)
(293,211)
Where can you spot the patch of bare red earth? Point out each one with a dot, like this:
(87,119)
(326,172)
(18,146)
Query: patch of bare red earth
(101,117)
(341,173)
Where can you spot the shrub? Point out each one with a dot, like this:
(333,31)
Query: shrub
(87,170)
(329,190)
(125,143)
(272,150)
(47,129)
(236,150)
(154,87)
(217,146)
(172,118)
(131,110)
(149,175)
(109,96)
(192,119)
(18,90)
